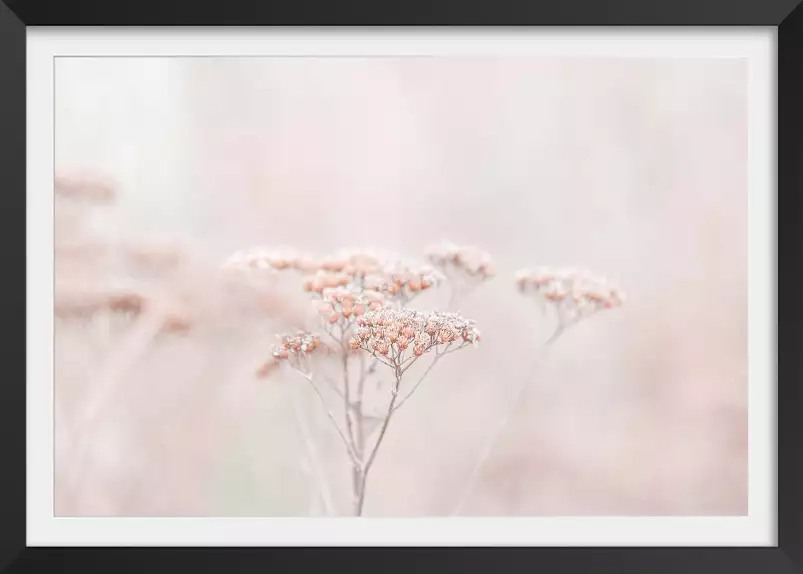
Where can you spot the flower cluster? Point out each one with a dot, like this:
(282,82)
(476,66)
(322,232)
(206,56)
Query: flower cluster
(323,280)
(466,260)
(86,302)
(276,260)
(85,190)
(342,304)
(577,292)
(355,269)
(402,281)
(354,263)
(389,332)
(292,349)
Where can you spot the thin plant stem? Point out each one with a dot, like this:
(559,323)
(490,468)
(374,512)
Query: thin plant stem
(499,429)
(352,455)
(124,355)
(369,463)
(358,406)
(312,456)
(424,375)
(347,398)
(347,406)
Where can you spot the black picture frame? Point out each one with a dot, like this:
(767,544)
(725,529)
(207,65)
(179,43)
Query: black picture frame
(16,15)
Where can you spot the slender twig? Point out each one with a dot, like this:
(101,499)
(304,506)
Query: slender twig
(386,363)
(423,376)
(347,399)
(358,406)
(312,456)
(335,339)
(437,355)
(356,467)
(352,455)
(369,463)
(125,355)
(420,380)
(503,422)
(333,386)
(409,360)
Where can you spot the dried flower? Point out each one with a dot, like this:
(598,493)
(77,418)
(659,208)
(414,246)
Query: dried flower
(94,191)
(269,259)
(344,305)
(268,367)
(295,350)
(390,330)
(576,293)
(325,280)
(466,260)
(401,281)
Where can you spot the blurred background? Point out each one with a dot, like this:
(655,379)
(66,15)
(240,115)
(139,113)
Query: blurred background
(632,168)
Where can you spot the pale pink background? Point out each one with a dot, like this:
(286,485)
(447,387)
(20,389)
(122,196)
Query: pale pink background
(633,168)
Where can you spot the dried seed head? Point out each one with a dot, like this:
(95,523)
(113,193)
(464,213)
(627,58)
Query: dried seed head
(268,259)
(291,348)
(93,191)
(268,367)
(578,292)
(467,261)
(394,329)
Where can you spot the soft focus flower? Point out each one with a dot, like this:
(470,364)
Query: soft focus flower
(325,280)
(291,349)
(94,191)
(344,304)
(468,261)
(576,292)
(269,259)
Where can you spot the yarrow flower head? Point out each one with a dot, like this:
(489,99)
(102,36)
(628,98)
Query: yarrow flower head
(323,279)
(343,305)
(269,259)
(577,293)
(355,263)
(293,349)
(93,191)
(467,260)
(401,281)
(373,270)
(393,333)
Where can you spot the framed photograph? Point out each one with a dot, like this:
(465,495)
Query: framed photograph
(460,287)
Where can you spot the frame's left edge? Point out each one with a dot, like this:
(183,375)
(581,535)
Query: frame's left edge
(12,254)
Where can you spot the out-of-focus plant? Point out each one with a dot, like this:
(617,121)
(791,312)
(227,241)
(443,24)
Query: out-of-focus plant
(130,295)
(572,295)
(465,268)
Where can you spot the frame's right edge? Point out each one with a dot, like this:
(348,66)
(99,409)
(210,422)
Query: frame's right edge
(790,286)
